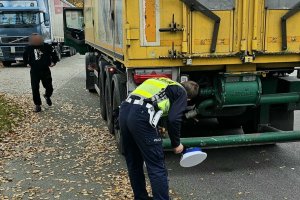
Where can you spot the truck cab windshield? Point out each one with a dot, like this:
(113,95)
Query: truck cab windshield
(19,19)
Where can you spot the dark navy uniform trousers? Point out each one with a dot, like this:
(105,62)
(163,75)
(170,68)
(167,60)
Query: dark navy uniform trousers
(141,143)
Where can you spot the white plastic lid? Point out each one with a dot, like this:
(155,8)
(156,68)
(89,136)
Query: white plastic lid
(192,158)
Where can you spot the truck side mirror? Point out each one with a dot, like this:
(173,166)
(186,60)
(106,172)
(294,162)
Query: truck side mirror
(46,19)
(47,23)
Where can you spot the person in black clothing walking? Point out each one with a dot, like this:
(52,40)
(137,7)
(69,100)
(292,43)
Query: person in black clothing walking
(40,57)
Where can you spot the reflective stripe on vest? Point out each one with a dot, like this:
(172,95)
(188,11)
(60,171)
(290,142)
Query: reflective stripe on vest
(152,87)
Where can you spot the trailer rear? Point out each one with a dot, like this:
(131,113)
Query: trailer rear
(241,52)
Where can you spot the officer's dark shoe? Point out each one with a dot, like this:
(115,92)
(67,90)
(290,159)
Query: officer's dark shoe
(37,109)
(48,100)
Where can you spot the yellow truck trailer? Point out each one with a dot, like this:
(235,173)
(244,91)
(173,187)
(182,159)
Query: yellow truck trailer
(241,52)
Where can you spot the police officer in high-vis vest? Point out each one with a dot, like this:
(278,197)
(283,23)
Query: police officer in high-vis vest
(139,115)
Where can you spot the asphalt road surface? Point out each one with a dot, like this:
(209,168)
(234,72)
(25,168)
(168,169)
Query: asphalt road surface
(254,173)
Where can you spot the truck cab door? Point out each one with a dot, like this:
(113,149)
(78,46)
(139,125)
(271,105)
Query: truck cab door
(74,29)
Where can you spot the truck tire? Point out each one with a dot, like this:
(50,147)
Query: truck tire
(102,64)
(108,104)
(119,95)
(6,63)
(89,78)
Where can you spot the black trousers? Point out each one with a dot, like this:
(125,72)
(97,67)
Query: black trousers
(46,79)
(141,143)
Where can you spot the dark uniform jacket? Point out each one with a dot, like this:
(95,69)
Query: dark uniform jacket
(178,99)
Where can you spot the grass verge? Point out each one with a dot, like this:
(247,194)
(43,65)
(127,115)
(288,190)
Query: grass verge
(10,115)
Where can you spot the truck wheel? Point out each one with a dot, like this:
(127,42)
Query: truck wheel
(101,80)
(6,63)
(119,95)
(89,74)
(108,104)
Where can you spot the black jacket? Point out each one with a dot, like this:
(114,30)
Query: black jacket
(40,57)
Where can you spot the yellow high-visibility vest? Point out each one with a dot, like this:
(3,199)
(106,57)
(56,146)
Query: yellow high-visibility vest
(154,86)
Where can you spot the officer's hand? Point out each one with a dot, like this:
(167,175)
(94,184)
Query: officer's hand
(162,130)
(52,65)
(28,65)
(178,149)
